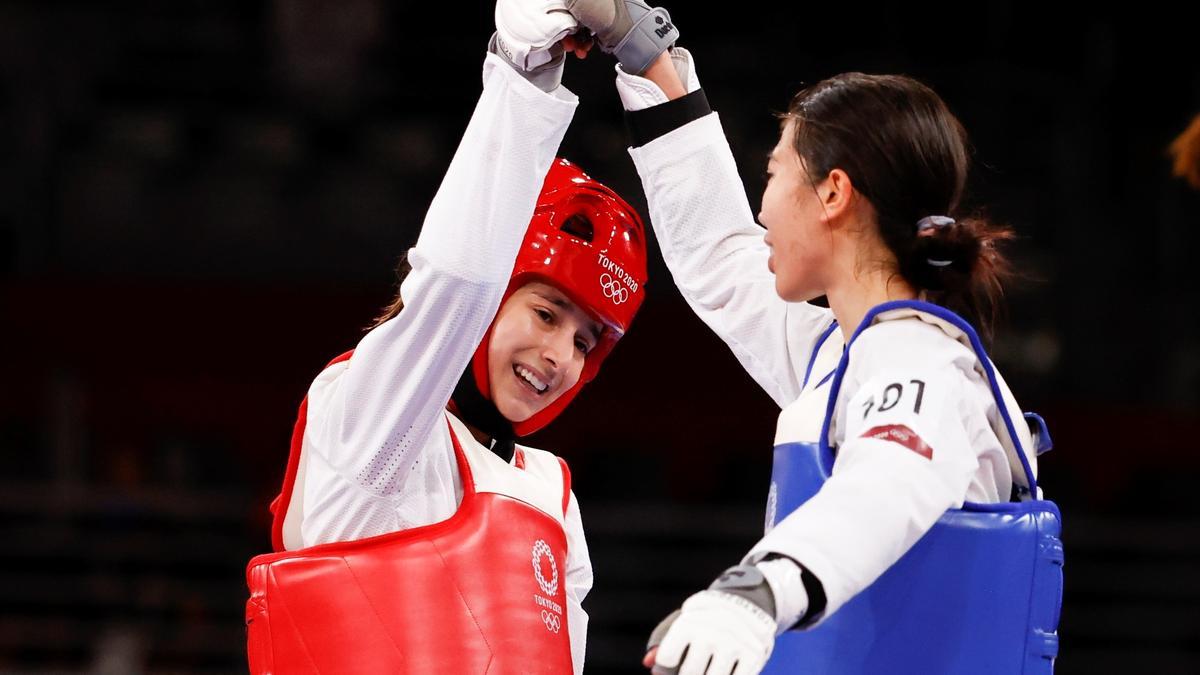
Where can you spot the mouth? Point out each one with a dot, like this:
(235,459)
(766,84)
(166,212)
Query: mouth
(530,380)
(771,263)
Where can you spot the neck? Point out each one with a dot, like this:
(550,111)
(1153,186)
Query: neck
(502,447)
(858,292)
(478,413)
(480,435)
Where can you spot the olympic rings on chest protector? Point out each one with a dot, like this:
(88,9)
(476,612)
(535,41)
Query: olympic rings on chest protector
(552,621)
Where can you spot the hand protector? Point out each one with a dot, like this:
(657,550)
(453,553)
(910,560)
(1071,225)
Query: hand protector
(629,29)
(529,31)
(716,633)
(546,77)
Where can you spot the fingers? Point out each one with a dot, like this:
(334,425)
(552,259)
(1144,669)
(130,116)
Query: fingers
(714,633)
(671,650)
(722,663)
(695,660)
(660,670)
(750,665)
(578,44)
(660,631)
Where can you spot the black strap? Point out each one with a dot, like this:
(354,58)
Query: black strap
(477,411)
(812,587)
(816,597)
(648,124)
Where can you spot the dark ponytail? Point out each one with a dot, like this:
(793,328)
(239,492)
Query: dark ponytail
(972,283)
(908,155)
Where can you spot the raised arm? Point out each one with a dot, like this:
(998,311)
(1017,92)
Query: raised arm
(707,232)
(371,422)
(698,207)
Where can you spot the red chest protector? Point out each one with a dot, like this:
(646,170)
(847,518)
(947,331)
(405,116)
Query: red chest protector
(480,592)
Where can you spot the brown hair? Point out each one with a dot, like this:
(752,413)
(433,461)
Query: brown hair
(907,154)
(1186,151)
(577,225)
(393,308)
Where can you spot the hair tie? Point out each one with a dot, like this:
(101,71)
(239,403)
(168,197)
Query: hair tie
(935,223)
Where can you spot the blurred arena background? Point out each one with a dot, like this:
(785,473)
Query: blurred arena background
(203,202)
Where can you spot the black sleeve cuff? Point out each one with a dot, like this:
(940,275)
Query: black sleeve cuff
(816,598)
(813,587)
(650,123)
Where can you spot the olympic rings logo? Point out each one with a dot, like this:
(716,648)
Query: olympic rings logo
(613,289)
(540,549)
(553,623)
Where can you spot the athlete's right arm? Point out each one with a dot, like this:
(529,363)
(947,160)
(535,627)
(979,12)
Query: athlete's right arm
(707,232)
(371,423)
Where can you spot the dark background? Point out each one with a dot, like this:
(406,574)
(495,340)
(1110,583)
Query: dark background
(202,202)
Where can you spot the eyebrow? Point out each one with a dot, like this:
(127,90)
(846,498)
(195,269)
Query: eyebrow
(562,303)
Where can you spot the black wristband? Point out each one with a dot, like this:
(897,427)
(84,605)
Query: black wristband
(812,587)
(816,597)
(648,124)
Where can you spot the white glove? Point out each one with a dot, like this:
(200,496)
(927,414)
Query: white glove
(735,633)
(529,30)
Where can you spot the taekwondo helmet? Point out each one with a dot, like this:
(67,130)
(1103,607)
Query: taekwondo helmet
(590,244)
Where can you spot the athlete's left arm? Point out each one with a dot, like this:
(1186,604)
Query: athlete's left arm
(578,582)
(907,450)
(904,456)
(706,229)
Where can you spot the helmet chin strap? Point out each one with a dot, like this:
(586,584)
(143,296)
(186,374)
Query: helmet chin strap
(479,412)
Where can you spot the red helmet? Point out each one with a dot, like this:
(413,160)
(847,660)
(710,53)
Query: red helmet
(590,244)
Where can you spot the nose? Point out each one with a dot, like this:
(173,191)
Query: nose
(558,346)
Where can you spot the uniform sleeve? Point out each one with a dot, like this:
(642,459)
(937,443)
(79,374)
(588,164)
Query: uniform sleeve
(579,583)
(905,455)
(715,250)
(372,422)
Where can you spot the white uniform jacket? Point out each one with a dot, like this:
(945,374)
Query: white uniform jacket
(882,496)
(378,457)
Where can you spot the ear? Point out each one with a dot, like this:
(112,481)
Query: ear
(837,194)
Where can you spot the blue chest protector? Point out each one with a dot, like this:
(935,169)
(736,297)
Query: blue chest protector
(980,593)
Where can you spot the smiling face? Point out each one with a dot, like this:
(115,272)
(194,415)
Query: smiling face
(539,343)
(793,213)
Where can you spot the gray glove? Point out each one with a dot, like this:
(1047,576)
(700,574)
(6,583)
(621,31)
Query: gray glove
(629,29)
(748,582)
